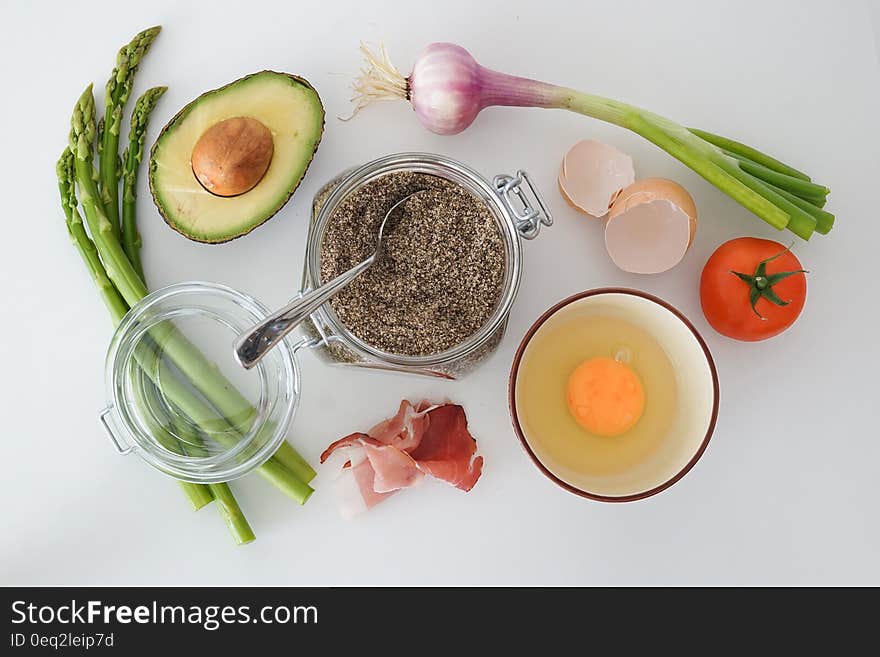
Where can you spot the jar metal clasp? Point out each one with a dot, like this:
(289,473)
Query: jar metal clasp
(120,447)
(524,202)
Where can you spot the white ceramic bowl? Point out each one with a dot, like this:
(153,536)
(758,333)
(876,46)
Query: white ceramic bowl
(698,393)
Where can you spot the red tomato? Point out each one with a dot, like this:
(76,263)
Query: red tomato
(752,289)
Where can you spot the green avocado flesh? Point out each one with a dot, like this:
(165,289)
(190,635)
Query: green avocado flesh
(287,105)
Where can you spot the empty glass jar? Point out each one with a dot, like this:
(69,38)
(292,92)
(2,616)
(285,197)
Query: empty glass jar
(177,397)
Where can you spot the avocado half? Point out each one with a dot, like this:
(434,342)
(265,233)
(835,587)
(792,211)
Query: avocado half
(285,104)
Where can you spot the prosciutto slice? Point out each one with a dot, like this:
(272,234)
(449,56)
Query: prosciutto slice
(446,450)
(421,439)
(394,468)
(404,430)
(354,489)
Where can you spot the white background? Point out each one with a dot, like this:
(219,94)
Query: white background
(788,490)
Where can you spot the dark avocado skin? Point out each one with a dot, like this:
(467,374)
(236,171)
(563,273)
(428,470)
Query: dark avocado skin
(177,118)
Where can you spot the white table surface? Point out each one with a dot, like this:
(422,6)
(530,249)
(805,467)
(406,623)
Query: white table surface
(788,489)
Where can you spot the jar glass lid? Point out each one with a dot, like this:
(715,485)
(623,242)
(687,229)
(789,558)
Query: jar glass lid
(177,396)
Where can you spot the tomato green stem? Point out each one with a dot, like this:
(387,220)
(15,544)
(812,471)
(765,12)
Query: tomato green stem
(761,283)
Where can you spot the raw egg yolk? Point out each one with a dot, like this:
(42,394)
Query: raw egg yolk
(605,396)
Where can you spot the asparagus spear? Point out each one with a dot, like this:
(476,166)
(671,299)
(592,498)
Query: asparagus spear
(180,437)
(227,505)
(109,294)
(131,244)
(131,159)
(286,468)
(117,92)
(198,495)
(226,433)
(82,133)
(126,278)
(232,514)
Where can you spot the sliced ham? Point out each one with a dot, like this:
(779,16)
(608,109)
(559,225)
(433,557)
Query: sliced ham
(405,429)
(354,489)
(446,450)
(421,439)
(394,469)
(351,440)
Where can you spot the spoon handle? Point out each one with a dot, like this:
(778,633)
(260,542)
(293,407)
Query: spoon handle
(253,345)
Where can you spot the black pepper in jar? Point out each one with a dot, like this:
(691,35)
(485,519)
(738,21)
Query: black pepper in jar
(441,272)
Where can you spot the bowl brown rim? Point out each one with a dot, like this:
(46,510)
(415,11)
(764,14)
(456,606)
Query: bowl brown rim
(514,370)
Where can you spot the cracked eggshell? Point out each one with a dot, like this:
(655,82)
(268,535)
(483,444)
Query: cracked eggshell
(592,176)
(650,226)
(652,189)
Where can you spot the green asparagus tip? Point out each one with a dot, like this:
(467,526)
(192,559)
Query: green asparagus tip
(150,96)
(137,48)
(143,107)
(127,60)
(82,125)
(65,171)
(62,167)
(145,104)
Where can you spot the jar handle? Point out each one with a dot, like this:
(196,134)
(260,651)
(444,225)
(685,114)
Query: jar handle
(119,446)
(529,210)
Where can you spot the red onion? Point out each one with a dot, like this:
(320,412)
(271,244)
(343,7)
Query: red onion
(448,88)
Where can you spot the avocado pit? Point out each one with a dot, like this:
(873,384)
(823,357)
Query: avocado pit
(232,156)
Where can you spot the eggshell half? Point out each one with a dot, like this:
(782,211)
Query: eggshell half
(649,237)
(652,189)
(564,194)
(592,176)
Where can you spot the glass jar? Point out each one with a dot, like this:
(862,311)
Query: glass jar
(177,397)
(519,212)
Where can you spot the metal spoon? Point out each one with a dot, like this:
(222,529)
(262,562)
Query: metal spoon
(253,345)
